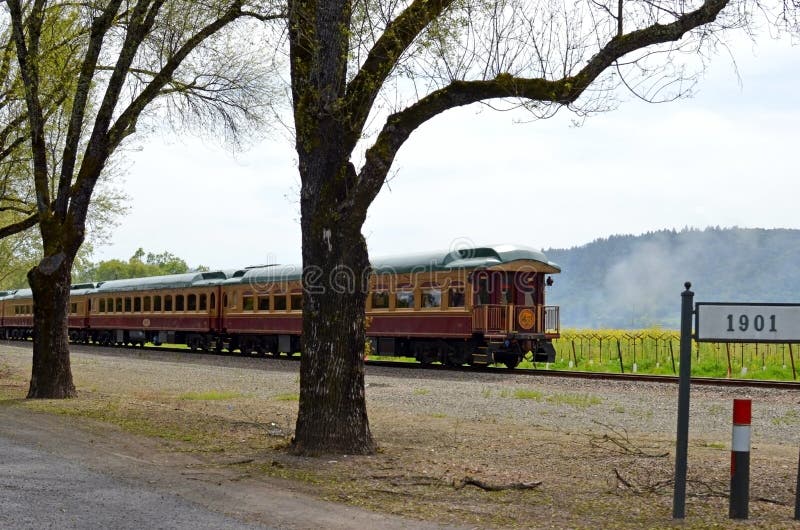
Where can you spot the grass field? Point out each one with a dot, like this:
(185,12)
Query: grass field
(657,351)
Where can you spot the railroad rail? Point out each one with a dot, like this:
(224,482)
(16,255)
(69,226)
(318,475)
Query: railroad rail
(601,376)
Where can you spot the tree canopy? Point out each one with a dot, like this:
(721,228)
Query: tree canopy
(139,265)
(79,80)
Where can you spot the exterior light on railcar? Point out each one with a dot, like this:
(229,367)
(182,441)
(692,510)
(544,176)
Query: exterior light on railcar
(549,281)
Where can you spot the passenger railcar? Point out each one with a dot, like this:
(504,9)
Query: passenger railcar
(177,308)
(18,314)
(4,295)
(477,305)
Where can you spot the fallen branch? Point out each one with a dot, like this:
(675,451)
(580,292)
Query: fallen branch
(469,481)
(619,438)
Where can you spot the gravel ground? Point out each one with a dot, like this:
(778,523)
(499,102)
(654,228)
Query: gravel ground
(603,451)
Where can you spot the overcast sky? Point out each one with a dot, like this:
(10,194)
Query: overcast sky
(728,156)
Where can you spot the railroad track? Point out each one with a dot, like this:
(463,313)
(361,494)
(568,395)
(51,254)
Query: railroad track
(632,378)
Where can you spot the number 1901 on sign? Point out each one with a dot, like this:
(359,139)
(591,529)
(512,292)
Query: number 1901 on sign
(721,322)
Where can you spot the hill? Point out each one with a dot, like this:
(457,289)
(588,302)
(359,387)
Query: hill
(635,281)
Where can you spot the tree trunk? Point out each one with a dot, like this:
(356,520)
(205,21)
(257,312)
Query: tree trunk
(51,376)
(333,415)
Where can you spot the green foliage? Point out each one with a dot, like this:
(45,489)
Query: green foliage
(524,393)
(139,265)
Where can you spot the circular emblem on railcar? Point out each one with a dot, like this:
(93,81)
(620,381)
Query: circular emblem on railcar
(146,322)
(526,319)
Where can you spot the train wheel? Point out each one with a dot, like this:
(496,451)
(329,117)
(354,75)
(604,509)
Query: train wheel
(428,356)
(511,363)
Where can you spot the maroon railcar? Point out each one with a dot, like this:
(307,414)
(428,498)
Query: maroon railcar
(475,305)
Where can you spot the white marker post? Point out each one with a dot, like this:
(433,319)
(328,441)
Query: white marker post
(740,459)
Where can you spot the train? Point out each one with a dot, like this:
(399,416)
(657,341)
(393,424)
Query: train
(478,305)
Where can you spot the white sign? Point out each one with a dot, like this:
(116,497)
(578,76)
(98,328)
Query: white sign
(721,322)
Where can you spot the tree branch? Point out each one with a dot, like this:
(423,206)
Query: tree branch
(20,226)
(27,55)
(396,38)
(565,91)
(100,26)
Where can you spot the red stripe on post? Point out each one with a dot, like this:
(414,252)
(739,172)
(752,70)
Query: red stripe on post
(742,411)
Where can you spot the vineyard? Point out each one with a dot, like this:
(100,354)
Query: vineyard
(657,351)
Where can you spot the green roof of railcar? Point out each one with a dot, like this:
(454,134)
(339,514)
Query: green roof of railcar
(171,281)
(21,294)
(444,260)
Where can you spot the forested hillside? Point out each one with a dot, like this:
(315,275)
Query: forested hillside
(636,281)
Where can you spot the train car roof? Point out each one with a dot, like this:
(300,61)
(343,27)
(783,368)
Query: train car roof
(263,277)
(21,293)
(499,256)
(502,256)
(171,281)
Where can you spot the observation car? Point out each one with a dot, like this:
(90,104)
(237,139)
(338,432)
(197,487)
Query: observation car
(476,305)
(18,314)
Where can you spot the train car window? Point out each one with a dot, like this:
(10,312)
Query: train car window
(247,303)
(157,303)
(178,302)
(213,303)
(137,304)
(109,305)
(263,303)
(102,307)
(280,302)
(168,302)
(203,302)
(380,300)
(225,300)
(431,298)
(73,308)
(118,306)
(296,301)
(147,304)
(456,297)
(127,304)
(404,299)
(89,301)
(191,302)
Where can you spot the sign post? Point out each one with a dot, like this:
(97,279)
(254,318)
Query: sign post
(682,444)
(754,323)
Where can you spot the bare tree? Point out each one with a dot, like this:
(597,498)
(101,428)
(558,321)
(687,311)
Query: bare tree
(349,60)
(87,74)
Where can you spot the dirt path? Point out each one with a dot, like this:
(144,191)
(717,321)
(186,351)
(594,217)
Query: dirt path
(145,464)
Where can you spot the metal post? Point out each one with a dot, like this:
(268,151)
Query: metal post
(682,444)
(740,460)
(797,493)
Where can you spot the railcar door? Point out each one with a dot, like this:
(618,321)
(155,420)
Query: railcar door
(214,313)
